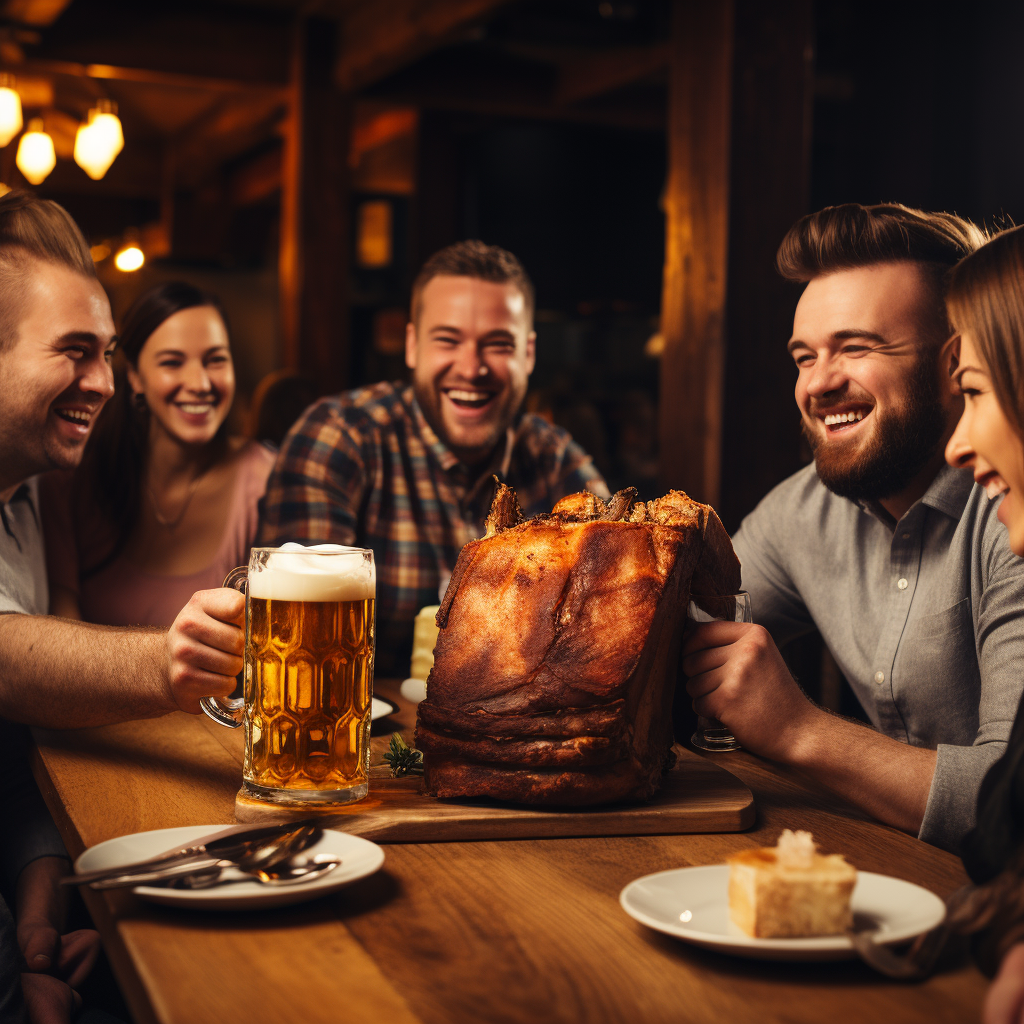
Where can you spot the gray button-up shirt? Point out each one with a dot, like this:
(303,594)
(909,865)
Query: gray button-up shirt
(925,617)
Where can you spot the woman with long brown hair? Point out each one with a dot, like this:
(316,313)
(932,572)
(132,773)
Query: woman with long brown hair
(165,500)
(985,302)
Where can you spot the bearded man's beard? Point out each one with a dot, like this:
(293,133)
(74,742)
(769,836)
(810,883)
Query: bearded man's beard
(905,439)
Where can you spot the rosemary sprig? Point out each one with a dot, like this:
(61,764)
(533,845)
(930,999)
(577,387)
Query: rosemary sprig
(403,759)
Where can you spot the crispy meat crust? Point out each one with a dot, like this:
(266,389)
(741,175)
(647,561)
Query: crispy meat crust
(557,657)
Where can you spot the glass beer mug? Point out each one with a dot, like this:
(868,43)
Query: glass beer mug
(309,633)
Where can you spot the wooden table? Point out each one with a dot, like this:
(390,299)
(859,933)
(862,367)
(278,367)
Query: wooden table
(512,931)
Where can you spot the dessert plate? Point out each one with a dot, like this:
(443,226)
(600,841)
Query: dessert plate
(359,858)
(692,904)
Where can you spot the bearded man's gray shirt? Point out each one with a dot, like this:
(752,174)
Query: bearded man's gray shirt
(924,616)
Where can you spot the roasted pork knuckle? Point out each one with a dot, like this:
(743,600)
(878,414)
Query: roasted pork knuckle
(558,653)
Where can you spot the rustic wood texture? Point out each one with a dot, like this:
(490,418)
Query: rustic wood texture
(696,796)
(380,36)
(313,258)
(515,931)
(773,91)
(696,243)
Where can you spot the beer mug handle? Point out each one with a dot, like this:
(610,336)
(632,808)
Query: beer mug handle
(228,712)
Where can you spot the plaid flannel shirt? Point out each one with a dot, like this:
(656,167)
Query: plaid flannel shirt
(365,468)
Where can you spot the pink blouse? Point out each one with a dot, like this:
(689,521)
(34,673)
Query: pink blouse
(121,594)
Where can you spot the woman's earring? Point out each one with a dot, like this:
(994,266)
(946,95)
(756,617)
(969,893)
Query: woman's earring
(139,400)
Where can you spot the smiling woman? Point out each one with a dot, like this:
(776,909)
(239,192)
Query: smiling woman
(985,300)
(986,307)
(164,502)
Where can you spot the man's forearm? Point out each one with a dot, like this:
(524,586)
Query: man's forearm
(888,779)
(60,674)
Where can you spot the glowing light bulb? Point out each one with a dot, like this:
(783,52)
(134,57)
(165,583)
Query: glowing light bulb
(36,157)
(129,257)
(10,110)
(99,140)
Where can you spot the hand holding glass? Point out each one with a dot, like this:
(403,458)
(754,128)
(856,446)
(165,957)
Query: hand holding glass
(711,734)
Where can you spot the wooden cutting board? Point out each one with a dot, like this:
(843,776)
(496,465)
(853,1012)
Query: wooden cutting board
(696,796)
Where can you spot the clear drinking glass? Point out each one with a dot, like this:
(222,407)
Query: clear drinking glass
(309,645)
(711,734)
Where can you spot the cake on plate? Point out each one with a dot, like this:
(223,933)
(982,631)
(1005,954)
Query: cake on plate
(790,890)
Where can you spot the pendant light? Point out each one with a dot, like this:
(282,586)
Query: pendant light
(10,109)
(99,140)
(36,157)
(129,257)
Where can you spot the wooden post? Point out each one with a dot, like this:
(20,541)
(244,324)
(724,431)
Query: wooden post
(771,143)
(696,208)
(316,242)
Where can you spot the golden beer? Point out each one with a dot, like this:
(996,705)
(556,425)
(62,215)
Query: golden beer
(309,630)
(308,688)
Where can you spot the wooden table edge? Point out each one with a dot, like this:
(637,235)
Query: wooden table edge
(132,987)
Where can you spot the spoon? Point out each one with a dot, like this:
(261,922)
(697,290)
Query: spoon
(263,857)
(283,874)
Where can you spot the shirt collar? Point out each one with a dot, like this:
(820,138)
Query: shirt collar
(498,464)
(23,493)
(950,490)
(438,448)
(947,493)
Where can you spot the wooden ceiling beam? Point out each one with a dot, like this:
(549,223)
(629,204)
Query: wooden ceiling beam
(378,37)
(257,180)
(36,13)
(586,76)
(470,101)
(147,76)
(226,134)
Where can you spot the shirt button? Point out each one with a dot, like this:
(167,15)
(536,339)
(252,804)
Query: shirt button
(906,536)
(902,584)
(879,677)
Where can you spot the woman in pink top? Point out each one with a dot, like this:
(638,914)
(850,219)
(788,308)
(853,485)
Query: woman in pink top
(165,501)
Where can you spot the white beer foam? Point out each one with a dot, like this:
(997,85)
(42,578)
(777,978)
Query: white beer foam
(337,573)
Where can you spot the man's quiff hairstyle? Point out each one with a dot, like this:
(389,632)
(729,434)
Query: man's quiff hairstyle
(851,235)
(473,258)
(33,229)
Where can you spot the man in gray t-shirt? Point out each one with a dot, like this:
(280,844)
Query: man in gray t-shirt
(56,341)
(897,559)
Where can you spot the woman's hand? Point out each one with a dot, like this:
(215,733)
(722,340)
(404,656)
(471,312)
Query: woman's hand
(1004,1003)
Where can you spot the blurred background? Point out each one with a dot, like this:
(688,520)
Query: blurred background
(301,160)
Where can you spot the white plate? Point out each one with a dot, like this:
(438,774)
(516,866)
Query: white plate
(692,904)
(380,709)
(359,858)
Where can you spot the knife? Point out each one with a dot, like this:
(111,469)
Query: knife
(222,845)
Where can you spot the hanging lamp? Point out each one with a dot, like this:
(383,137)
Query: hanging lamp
(10,109)
(99,140)
(129,257)
(36,157)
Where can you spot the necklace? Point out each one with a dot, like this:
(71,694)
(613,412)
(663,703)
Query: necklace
(170,524)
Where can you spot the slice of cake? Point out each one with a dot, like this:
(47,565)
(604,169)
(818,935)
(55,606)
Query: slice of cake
(790,891)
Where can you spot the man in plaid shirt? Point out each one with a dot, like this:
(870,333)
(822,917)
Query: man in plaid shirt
(407,470)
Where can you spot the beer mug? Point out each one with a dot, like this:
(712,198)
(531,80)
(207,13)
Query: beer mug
(309,631)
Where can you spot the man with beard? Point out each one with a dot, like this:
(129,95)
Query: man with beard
(896,558)
(408,470)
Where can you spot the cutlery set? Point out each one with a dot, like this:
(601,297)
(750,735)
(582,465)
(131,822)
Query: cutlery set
(265,854)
